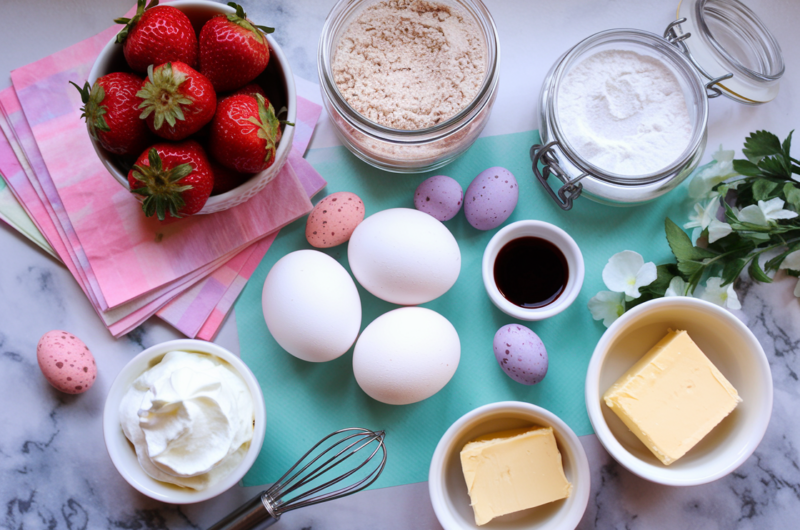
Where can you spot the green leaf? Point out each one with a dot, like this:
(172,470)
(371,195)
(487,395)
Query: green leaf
(775,166)
(760,144)
(787,146)
(732,270)
(762,188)
(681,244)
(792,194)
(757,273)
(746,168)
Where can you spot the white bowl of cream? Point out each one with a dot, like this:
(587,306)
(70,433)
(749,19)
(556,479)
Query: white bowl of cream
(184,421)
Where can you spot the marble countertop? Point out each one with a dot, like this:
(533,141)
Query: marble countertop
(54,469)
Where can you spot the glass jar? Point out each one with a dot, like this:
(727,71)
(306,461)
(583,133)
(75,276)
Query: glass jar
(398,150)
(718,47)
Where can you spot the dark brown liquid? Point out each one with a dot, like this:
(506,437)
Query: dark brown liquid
(530,272)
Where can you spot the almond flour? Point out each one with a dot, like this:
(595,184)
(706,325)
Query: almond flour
(410,64)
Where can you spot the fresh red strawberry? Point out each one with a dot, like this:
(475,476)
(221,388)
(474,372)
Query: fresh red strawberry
(233,50)
(252,89)
(157,35)
(111,109)
(226,179)
(174,179)
(177,100)
(245,133)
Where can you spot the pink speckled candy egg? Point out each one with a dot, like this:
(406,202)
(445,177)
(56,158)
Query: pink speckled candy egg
(66,362)
(521,354)
(333,219)
(491,198)
(440,197)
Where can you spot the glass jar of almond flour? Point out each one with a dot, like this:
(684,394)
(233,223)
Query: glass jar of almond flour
(623,114)
(409,84)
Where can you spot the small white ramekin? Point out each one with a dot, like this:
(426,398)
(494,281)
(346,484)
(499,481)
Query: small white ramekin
(111,59)
(122,452)
(448,490)
(554,235)
(727,343)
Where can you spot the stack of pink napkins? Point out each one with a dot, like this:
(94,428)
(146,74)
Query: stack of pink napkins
(188,272)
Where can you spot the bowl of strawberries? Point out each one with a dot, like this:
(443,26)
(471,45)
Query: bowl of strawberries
(191,107)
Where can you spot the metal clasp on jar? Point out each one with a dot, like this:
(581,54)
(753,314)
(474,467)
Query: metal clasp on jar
(571,188)
(671,36)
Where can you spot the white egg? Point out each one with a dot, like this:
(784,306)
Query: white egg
(404,256)
(406,355)
(311,306)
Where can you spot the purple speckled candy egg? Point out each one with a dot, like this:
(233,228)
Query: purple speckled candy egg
(521,354)
(440,197)
(491,198)
(66,362)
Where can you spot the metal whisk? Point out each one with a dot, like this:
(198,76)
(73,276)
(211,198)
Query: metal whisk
(267,507)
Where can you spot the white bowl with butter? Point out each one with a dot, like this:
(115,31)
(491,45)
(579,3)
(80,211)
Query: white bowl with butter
(735,352)
(170,389)
(446,480)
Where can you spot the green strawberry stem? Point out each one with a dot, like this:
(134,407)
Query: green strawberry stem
(268,125)
(131,22)
(161,189)
(161,95)
(240,18)
(92,109)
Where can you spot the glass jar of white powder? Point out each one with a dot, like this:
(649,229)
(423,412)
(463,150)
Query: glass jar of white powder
(392,105)
(623,114)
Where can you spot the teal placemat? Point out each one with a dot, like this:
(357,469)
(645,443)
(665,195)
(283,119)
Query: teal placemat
(306,401)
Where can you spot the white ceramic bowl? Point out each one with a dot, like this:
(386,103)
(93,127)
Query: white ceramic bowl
(554,235)
(448,489)
(122,452)
(727,343)
(111,59)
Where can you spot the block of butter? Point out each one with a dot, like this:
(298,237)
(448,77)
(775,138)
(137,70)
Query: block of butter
(513,470)
(672,397)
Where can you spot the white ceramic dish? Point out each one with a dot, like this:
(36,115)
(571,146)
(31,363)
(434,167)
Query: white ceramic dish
(732,348)
(122,452)
(111,59)
(554,235)
(448,489)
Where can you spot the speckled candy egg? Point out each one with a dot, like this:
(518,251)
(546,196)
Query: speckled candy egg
(333,219)
(491,198)
(439,196)
(521,354)
(66,362)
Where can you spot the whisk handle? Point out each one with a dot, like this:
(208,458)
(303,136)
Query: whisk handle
(254,515)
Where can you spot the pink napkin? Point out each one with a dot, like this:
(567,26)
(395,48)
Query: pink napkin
(199,266)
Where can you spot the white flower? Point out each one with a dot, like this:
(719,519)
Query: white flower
(626,272)
(702,217)
(607,306)
(718,172)
(677,287)
(761,215)
(718,230)
(722,296)
(792,262)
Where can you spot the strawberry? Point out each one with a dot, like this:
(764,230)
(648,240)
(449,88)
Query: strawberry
(252,89)
(245,133)
(226,179)
(111,109)
(157,35)
(233,50)
(174,179)
(179,95)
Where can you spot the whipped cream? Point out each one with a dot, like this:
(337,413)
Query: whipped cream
(190,418)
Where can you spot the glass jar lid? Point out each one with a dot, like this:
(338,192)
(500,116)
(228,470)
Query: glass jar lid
(731,47)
